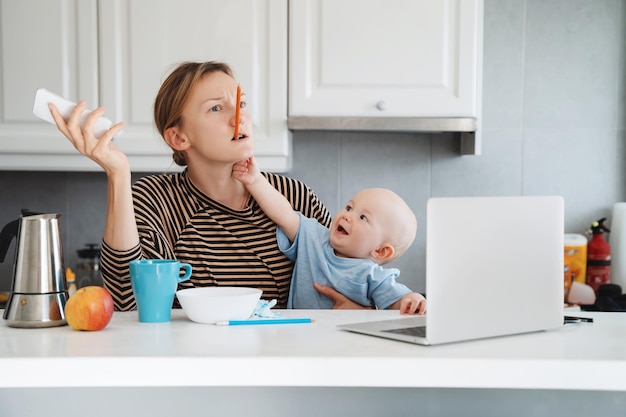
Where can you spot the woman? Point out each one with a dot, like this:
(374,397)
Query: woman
(201,216)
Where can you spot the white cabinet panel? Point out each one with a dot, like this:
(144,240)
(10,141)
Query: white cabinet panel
(375,58)
(44,44)
(142,40)
(117,52)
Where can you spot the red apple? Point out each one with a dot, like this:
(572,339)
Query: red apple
(89,308)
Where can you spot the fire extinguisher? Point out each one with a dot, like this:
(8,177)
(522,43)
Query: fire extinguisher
(598,256)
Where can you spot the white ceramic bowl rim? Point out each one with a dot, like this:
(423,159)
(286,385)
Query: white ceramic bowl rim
(217,291)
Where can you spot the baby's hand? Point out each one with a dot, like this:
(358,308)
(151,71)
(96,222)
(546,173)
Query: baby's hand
(413,303)
(245,171)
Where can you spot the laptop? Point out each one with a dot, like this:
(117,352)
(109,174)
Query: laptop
(494,267)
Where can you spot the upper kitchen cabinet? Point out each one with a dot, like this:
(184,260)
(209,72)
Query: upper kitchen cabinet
(116,53)
(408,65)
(44,43)
(142,40)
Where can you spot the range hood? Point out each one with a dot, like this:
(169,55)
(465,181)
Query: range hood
(465,127)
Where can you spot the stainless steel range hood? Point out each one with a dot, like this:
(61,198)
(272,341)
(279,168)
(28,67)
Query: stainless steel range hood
(466,127)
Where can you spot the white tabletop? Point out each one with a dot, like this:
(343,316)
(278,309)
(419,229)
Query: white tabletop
(585,356)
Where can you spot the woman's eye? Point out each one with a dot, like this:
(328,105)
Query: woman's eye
(215,108)
(243,105)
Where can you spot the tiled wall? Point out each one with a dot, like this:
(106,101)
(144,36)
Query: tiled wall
(554,122)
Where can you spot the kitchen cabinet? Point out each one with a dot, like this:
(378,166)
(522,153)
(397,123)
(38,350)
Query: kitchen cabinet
(116,53)
(371,65)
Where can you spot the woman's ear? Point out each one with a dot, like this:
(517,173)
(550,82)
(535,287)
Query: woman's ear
(383,253)
(175,138)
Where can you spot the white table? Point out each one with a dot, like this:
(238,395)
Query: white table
(248,367)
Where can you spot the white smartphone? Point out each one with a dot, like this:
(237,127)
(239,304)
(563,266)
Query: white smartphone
(65,106)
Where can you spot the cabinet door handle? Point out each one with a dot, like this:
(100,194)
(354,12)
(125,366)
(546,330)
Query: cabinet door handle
(381,105)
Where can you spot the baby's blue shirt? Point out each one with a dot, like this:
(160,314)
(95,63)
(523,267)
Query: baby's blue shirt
(361,280)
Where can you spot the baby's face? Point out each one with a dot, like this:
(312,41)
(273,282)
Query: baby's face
(360,227)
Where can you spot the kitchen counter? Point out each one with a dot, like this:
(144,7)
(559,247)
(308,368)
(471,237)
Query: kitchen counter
(183,353)
(585,357)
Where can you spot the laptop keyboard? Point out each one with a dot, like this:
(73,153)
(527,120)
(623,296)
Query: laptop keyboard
(418,331)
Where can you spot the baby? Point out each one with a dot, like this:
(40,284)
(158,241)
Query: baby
(375,228)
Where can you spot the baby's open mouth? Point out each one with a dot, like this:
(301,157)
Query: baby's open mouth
(341,230)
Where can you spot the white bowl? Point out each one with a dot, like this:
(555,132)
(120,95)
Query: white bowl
(211,304)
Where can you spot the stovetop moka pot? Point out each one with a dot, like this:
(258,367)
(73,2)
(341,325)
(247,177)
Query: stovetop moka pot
(38,289)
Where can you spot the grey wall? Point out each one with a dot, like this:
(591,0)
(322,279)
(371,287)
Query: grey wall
(554,122)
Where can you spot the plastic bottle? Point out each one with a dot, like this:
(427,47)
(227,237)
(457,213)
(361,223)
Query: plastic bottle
(598,256)
(575,260)
(70,277)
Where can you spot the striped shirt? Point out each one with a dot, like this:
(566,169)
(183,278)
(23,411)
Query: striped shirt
(225,247)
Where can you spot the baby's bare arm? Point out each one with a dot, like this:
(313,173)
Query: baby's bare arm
(273,203)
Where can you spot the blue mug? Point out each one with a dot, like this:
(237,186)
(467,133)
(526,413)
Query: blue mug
(154,283)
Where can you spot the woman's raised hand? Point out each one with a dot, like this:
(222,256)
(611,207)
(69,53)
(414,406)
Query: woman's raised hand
(102,151)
